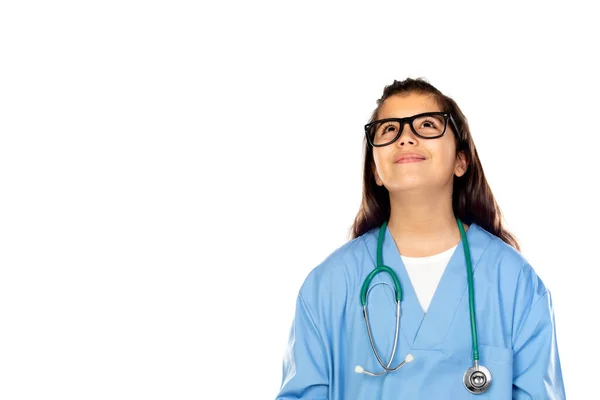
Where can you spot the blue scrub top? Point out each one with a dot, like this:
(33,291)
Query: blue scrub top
(515,326)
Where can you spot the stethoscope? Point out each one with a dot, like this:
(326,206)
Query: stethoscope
(476,379)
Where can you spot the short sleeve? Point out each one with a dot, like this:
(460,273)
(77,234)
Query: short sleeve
(536,365)
(305,364)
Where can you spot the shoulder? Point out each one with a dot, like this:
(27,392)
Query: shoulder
(329,279)
(512,265)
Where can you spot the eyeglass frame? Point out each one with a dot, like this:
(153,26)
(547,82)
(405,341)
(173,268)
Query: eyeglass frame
(447,116)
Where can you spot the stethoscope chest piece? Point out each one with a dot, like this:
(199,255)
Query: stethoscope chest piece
(477,379)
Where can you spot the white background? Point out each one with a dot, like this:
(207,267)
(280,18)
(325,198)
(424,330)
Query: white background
(171,171)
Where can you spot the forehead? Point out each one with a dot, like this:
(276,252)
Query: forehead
(400,106)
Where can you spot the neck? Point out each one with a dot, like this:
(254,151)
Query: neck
(422,224)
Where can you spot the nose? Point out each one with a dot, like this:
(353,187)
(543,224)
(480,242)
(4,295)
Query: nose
(406,134)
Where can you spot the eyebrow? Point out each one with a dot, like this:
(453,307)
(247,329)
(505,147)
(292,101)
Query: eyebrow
(423,112)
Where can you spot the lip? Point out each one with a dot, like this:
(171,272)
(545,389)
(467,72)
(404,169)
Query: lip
(404,158)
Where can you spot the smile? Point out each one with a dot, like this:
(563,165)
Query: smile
(405,160)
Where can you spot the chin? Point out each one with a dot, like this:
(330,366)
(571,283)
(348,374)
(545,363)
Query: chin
(405,186)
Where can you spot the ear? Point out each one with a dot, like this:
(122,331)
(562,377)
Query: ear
(376,175)
(461,164)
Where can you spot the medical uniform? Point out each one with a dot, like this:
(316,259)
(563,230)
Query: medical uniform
(514,315)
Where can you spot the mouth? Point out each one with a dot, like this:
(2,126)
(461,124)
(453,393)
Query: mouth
(409,159)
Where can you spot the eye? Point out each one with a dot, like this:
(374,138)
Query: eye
(429,123)
(385,128)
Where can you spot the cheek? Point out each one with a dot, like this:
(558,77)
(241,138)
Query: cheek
(380,155)
(445,149)
(444,157)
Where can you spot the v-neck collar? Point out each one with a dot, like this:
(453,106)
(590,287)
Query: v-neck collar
(428,330)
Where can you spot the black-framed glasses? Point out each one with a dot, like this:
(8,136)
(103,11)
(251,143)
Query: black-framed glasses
(428,125)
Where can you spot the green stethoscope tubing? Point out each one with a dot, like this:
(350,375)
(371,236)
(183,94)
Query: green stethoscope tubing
(384,268)
(463,235)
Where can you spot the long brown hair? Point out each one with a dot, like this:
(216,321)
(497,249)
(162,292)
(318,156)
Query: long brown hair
(472,198)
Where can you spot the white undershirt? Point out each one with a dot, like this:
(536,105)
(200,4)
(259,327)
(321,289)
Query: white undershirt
(425,274)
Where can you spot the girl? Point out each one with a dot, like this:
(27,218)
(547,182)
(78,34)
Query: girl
(431,298)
